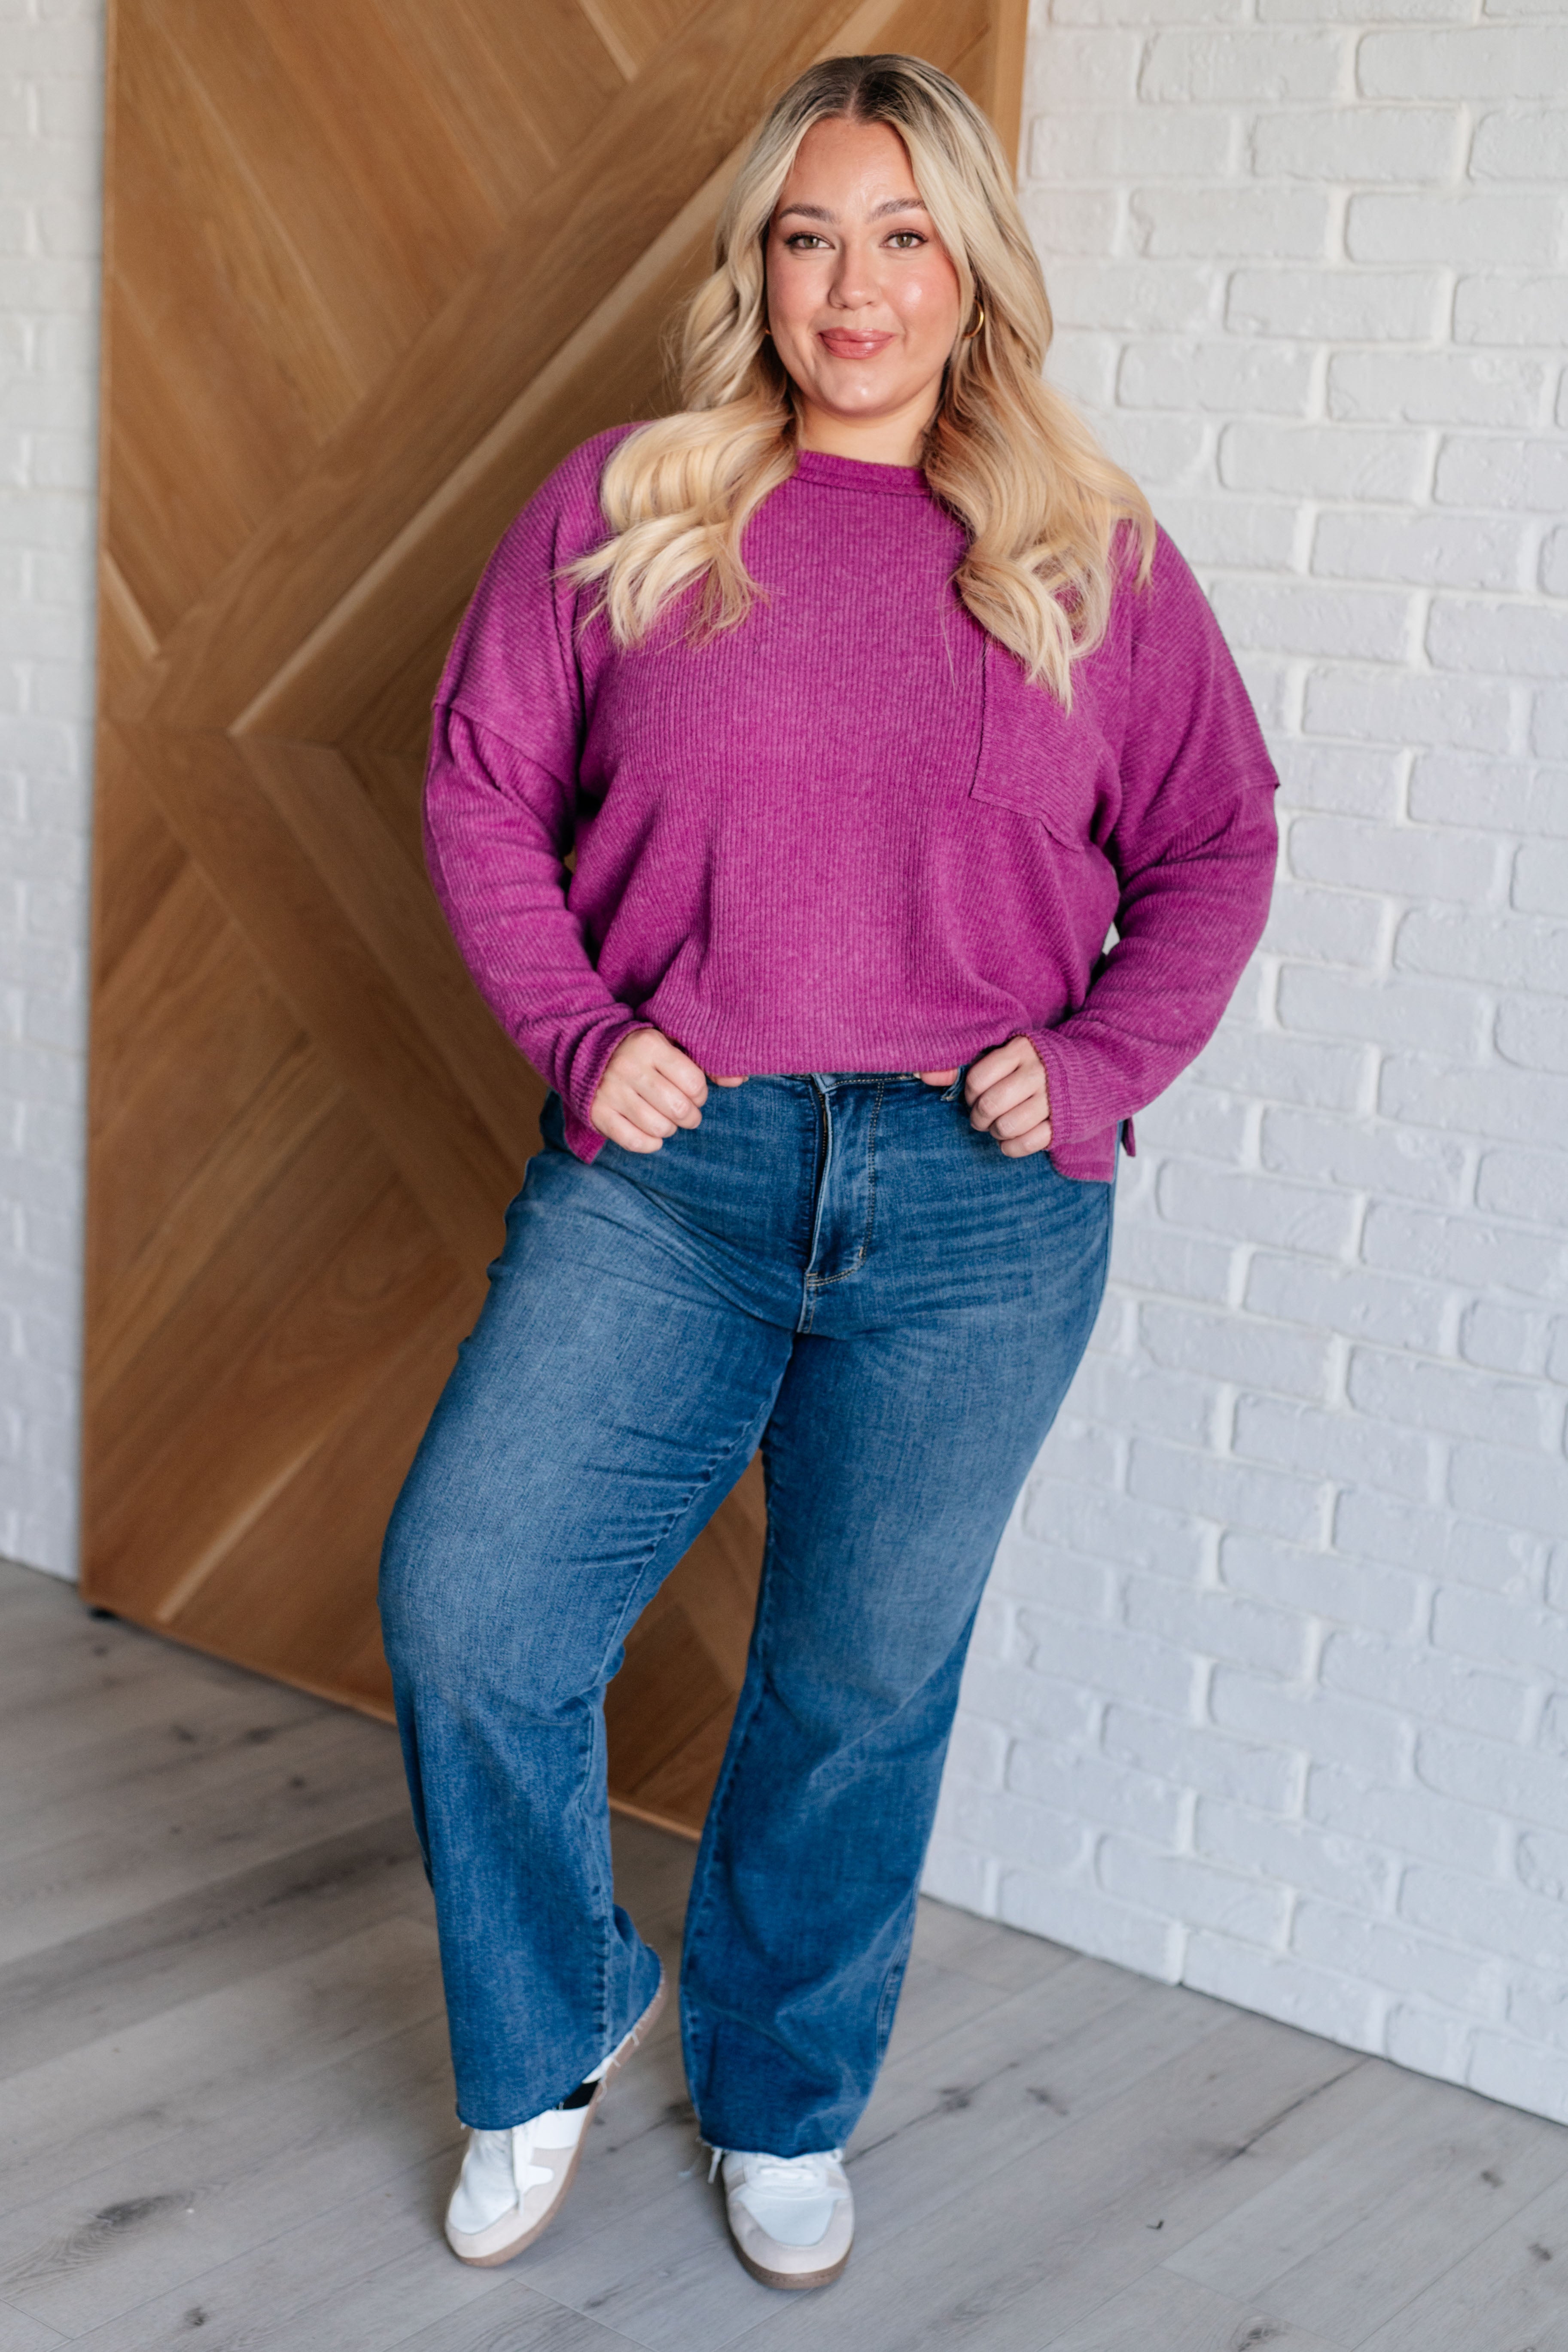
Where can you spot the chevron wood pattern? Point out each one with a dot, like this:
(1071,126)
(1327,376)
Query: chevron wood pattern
(370,271)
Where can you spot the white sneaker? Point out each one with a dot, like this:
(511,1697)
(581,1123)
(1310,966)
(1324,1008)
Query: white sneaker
(512,2182)
(792,2218)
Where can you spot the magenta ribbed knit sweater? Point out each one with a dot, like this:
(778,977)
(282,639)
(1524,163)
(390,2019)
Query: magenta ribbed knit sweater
(847,835)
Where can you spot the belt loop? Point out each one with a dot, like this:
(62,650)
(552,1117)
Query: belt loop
(952,1093)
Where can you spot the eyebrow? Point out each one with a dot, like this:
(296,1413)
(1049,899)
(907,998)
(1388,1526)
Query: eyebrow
(821,213)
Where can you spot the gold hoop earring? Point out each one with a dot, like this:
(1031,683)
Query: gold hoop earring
(979,322)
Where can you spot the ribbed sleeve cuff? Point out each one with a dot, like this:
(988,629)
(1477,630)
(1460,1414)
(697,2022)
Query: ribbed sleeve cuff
(1087,1153)
(589,1066)
(584,1142)
(1057,1060)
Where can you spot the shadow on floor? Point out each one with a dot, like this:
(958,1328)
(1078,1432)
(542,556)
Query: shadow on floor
(228,2112)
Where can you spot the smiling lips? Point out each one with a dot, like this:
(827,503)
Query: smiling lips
(850,343)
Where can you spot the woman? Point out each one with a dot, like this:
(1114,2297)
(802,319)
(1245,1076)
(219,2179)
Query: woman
(869,698)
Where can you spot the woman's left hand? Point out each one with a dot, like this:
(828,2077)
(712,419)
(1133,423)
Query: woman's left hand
(1007,1097)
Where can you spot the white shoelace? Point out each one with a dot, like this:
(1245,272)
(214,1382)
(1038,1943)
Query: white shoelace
(795,2176)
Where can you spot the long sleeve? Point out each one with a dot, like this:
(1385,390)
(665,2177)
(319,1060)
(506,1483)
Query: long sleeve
(497,828)
(787,854)
(1194,847)
(502,797)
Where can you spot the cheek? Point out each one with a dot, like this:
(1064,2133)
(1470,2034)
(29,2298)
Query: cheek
(791,300)
(930,303)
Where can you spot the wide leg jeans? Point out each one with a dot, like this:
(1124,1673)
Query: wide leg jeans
(839,1268)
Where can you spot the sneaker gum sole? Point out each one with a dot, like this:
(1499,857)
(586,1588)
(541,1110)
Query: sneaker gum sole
(525,2238)
(791,2278)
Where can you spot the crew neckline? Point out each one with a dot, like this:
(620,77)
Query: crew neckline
(859,474)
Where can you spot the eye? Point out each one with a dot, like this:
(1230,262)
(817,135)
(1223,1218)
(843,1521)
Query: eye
(802,239)
(905,238)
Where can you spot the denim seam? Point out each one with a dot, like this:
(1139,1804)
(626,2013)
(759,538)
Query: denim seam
(819,1202)
(717,1810)
(696,1922)
(607,1893)
(606,1912)
(824,1281)
(892,1985)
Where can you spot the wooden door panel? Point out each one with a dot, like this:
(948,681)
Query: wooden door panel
(179,509)
(392,780)
(126,639)
(655,147)
(319,1625)
(388,905)
(387,155)
(191,1033)
(523,87)
(338,990)
(136,860)
(371,270)
(231,1443)
(296,1238)
(230,256)
(633,31)
(224,1192)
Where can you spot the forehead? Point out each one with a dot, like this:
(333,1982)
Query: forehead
(854,161)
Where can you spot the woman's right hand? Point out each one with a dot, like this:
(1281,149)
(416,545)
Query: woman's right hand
(648,1089)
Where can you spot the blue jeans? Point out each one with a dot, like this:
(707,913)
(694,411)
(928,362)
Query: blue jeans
(839,1268)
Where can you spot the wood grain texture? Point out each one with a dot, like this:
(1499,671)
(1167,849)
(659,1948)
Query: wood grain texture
(1431,2175)
(370,271)
(228,2109)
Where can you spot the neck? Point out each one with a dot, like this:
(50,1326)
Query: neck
(894,440)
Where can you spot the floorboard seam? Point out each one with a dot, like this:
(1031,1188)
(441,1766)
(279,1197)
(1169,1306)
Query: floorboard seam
(1458,2262)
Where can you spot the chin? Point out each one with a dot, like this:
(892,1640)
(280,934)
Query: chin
(855,399)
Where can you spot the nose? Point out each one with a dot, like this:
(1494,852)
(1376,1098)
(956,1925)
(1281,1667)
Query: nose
(854,282)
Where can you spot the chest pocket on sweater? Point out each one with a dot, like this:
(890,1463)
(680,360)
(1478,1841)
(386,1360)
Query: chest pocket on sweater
(1037,759)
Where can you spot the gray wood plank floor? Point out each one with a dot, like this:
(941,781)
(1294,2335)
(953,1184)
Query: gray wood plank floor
(226,2108)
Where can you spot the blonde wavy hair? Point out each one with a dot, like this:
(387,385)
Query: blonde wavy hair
(1040,501)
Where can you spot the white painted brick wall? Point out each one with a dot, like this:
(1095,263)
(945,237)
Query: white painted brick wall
(50,157)
(1270,1693)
